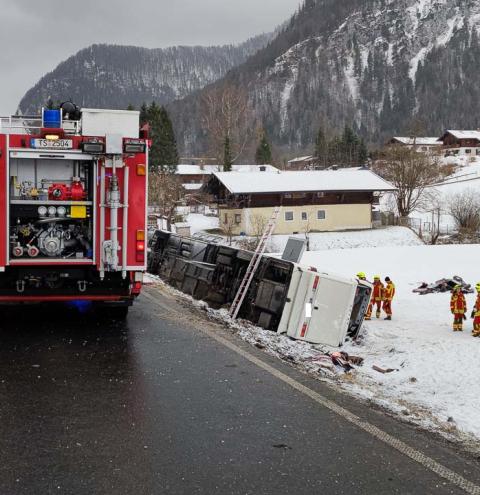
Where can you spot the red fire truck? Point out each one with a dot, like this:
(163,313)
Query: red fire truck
(73,207)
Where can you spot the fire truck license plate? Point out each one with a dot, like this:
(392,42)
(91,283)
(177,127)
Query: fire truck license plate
(57,144)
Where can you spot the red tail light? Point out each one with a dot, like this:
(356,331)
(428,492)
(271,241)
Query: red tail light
(140,246)
(304,330)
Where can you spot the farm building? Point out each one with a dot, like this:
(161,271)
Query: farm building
(461,142)
(193,177)
(422,144)
(310,200)
(302,163)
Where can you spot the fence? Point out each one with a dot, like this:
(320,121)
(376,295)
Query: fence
(431,224)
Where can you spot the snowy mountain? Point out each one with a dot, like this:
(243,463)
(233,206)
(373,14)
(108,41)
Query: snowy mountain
(110,76)
(374,64)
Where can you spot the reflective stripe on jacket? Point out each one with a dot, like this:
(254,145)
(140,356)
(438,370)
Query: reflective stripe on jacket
(378,288)
(458,304)
(389,291)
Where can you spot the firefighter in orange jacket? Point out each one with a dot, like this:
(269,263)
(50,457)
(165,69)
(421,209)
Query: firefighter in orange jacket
(389,294)
(476,314)
(377,298)
(458,307)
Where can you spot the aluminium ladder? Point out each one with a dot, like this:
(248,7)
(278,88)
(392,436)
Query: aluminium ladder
(254,263)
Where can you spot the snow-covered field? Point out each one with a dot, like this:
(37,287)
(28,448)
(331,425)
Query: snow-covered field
(437,382)
(200,223)
(389,236)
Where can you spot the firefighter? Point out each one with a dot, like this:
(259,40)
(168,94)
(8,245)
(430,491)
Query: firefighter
(476,314)
(389,294)
(368,314)
(377,298)
(458,307)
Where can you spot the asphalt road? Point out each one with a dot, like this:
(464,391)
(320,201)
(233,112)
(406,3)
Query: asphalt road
(160,405)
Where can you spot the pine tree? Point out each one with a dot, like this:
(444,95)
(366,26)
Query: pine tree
(130,107)
(321,148)
(227,155)
(143,113)
(163,153)
(263,154)
(170,157)
(348,146)
(362,153)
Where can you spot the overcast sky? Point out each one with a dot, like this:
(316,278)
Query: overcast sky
(36,35)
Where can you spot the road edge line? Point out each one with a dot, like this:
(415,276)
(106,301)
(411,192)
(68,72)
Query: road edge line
(395,443)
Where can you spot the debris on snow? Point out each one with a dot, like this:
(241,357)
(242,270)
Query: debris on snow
(444,285)
(383,370)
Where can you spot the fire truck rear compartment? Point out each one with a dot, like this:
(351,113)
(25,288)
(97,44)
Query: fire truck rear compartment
(63,281)
(51,209)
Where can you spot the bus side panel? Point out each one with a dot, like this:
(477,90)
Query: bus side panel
(3,201)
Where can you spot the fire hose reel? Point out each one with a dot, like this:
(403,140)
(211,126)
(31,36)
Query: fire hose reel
(63,192)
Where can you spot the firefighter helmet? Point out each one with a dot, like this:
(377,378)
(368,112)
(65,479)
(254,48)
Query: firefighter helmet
(377,277)
(361,275)
(478,287)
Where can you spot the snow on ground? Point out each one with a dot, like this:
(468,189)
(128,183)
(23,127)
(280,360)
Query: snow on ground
(437,382)
(200,223)
(389,236)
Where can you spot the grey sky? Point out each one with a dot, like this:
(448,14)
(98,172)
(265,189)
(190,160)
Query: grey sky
(35,36)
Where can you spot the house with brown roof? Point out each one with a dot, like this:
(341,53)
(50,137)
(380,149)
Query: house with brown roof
(321,201)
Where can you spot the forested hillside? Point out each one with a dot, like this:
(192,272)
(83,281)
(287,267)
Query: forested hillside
(376,65)
(110,76)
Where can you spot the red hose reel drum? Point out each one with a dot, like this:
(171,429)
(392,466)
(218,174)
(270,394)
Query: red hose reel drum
(59,192)
(63,192)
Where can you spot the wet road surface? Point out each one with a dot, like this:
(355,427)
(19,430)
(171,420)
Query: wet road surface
(156,406)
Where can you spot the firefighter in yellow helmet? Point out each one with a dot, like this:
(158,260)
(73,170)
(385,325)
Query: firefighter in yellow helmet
(458,307)
(476,314)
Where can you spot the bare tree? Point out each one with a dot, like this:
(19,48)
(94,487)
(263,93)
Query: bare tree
(464,207)
(228,226)
(164,193)
(258,224)
(227,115)
(308,230)
(435,232)
(416,129)
(411,173)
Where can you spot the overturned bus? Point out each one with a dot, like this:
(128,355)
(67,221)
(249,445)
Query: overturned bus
(285,297)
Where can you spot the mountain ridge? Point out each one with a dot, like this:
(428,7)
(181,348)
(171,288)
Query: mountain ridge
(375,65)
(115,76)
